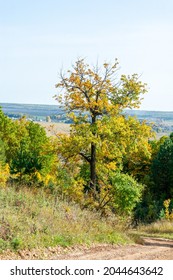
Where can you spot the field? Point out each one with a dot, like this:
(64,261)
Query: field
(54,128)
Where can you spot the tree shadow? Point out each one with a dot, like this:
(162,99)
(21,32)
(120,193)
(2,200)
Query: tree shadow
(158,242)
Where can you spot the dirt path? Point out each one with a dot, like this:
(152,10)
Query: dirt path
(152,249)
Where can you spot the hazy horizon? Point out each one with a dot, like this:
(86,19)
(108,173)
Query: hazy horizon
(58,105)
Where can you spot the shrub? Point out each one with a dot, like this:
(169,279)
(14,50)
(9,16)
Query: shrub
(125,192)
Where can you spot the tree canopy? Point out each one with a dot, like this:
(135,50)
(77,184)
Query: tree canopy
(100,132)
(162,171)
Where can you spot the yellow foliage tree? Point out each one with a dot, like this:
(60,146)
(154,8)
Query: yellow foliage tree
(100,133)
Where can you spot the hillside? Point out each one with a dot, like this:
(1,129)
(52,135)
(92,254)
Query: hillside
(32,219)
(35,226)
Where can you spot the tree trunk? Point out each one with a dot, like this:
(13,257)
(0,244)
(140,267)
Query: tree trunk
(93,168)
(93,182)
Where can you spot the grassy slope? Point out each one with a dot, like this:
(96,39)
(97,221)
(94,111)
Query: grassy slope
(30,219)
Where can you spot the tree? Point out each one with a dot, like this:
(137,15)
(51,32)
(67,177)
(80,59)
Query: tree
(162,171)
(8,134)
(139,150)
(96,100)
(34,154)
(25,147)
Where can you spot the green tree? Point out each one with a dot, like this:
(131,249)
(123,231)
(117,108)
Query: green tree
(34,153)
(8,134)
(162,171)
(95,100)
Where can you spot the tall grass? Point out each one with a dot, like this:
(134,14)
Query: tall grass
(31,219)
(161,228)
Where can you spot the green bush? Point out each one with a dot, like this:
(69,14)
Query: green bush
(126,192)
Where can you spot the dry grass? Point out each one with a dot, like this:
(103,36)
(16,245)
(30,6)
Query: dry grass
(54,128)
(161,228)
(31,219)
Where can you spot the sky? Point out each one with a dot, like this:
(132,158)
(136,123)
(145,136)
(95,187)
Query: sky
(40,37)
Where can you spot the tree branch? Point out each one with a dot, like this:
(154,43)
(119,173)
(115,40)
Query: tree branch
(85,157)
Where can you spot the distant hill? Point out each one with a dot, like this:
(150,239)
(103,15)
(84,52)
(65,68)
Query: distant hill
(49,110)
(151,115)
(163,121)
(32,111)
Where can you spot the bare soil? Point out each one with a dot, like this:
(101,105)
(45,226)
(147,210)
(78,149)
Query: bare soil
(151,249)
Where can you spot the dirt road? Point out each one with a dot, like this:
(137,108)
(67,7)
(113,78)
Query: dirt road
(152,249)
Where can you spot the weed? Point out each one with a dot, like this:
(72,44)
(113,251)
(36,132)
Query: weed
(16,243)
(64,241)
